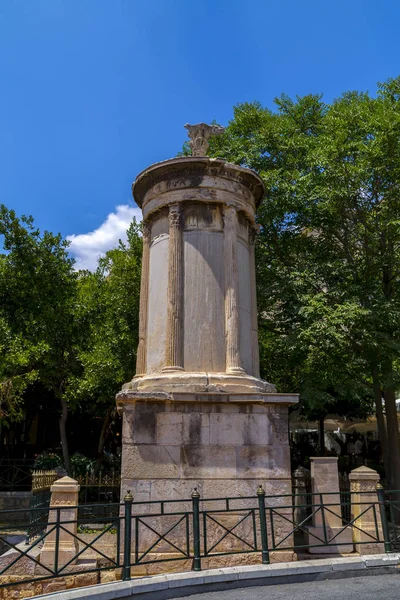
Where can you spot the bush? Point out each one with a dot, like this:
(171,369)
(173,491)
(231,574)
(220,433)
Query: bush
(80,464)
(47,461)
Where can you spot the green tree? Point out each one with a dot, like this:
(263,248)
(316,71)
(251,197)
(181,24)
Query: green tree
(37,300)
(108,309)
(328,253)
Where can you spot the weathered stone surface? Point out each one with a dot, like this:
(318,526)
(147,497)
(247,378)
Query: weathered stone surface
(199,135)
(240,429)
(365,511)
(63,508)
(253,462)
(196,428)
(169,428)
(204,346)
(157,305)
(208,462)
(198,309)
(245,306)
(197,413)
(138,461)
(327,521)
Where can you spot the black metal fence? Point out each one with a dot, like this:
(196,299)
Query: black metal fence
(194,530)
(16,475)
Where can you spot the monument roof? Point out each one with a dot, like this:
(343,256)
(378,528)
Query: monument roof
(194,169)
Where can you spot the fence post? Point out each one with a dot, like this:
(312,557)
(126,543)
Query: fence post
(126,569)
(263,525)
(61,542)
(385,528)
(366,511)
(196,530)
(327,521)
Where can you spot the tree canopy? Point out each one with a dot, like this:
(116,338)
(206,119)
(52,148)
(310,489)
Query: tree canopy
(329,246)
(328,275)
(75,333)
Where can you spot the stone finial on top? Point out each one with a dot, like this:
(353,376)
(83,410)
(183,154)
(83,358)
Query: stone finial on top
(199,135)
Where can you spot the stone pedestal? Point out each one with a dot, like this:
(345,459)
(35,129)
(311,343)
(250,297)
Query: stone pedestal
(327,522)
(64,497)
(220,444)
(365,512)
(197,413)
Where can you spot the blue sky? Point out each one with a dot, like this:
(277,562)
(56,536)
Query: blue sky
(94,91)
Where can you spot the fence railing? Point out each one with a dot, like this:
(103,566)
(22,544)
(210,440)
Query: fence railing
(15,474)
(101,487)
(194,530)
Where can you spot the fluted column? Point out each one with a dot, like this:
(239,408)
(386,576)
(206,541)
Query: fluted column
(232,334)
(144,302)
(174,347)
(254,320)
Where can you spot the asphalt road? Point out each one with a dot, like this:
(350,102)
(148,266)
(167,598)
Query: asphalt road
(385,587)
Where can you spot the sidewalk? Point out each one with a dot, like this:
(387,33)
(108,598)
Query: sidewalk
(162,587)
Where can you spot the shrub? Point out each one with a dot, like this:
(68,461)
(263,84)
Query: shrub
(47,461)
(80,464)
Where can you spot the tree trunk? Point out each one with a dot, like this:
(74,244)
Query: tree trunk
(103,438)
(321,436)
(380,419)
(393,437)
(63,434)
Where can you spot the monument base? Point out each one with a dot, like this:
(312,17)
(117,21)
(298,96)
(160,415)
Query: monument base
(225,445)
(177,381)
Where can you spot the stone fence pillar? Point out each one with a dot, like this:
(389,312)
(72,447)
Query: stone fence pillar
(365,509)
(327,521)
(64,496)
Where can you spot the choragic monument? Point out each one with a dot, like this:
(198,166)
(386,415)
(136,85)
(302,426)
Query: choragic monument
(197,413)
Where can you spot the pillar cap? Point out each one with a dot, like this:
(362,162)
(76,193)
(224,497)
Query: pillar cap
(363,472)
(195,493)
(260,491)
(65,484)
(128,496)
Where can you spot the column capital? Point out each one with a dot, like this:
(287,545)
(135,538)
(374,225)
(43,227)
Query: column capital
(229,215)
(174,215)
(146,229)
(253,232)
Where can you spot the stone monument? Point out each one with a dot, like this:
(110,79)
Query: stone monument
(197,414)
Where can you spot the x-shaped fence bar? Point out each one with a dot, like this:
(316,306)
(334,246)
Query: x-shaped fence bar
(145,535)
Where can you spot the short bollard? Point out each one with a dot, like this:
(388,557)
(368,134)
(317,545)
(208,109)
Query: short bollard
(263,525)
(385,527)
(126,569)
(196,530)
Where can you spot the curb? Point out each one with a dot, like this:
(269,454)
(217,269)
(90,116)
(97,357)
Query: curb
(162,587)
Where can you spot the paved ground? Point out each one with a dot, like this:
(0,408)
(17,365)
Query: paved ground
(378,587)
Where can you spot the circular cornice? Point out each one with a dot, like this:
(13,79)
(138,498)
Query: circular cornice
(190,171)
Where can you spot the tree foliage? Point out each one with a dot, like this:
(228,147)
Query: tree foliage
(108,309)
(75,333)
(329,247)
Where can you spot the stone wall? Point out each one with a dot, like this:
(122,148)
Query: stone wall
(14,501)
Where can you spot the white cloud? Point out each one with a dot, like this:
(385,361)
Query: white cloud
(86,248)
